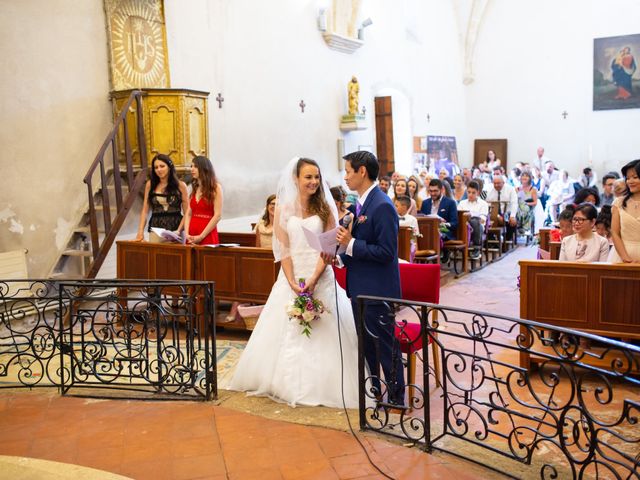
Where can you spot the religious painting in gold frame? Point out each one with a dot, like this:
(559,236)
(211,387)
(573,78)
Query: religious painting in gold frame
(137,44)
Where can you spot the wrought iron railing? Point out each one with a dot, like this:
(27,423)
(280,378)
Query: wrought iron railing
(526,399)
(136,337)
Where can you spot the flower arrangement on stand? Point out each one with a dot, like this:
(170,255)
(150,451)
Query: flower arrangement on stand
(305,309)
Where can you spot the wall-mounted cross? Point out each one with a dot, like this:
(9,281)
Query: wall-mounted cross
(565,114)
(219,99)
(302,105)
(428,118)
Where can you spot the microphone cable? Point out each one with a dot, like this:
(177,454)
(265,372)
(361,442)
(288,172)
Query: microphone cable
(344,403)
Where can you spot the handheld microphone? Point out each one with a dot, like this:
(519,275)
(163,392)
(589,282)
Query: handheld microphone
(346,221)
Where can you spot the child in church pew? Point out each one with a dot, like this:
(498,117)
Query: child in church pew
(402,204)
(603,223)
(479,210)
(564,223)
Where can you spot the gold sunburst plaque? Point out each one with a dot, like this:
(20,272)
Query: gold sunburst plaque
(137,44)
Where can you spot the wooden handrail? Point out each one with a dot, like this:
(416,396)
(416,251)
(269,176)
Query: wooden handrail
(135,182)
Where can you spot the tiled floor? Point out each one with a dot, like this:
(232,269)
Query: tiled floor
(188,440)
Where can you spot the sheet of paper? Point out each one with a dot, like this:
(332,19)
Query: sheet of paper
(216,245)
(324,242)
(168,235)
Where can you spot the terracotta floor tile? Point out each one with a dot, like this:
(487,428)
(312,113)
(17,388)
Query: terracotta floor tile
(195,467)
(271,473)
(249,459)
(150,470)
(316,469)
(353,466)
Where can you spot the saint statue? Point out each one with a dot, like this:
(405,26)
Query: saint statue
(354,90)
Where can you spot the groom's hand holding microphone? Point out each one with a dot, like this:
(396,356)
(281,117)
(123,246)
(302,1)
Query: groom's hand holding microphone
(330,259)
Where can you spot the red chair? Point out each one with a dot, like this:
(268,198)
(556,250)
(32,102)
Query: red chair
(341,276)
(419,283)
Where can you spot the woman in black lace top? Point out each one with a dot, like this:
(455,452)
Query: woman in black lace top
(166,197)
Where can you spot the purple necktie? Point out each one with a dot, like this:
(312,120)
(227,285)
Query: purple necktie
(358,208)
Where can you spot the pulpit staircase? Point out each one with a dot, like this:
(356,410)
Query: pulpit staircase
(112,188)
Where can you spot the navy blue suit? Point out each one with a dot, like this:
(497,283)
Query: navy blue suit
(373,270)
(447,210)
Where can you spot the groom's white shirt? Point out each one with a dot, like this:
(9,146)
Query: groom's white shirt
(361,201)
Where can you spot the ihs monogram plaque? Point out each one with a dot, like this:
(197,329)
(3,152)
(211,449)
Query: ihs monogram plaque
(138,44)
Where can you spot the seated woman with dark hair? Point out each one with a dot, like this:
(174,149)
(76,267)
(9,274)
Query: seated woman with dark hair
(264,228)
(588,195)
(584,245)
(340,197)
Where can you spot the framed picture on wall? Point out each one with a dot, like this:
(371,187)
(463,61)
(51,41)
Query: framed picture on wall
(616,77)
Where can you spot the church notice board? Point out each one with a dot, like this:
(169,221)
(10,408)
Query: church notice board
(482,146)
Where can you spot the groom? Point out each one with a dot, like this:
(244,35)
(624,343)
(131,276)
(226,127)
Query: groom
(372,268)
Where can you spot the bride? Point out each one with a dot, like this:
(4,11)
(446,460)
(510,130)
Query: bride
(278,360)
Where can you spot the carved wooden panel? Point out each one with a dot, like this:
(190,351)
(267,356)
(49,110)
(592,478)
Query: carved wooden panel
(255,276)
(163,132)
(618,308)
(170,266)
(220,269)
(564,301)
(135,265)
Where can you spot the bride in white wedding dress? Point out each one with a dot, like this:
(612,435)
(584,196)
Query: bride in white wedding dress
(278,360)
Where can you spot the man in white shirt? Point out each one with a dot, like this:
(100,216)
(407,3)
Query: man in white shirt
(507,206)
(540,160)
(479,210)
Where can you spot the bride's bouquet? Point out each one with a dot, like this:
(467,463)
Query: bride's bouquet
(305,309)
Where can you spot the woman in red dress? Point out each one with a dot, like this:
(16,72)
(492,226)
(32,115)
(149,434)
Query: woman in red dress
(205,207)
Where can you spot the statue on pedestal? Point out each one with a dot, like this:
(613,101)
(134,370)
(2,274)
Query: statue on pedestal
(354,90)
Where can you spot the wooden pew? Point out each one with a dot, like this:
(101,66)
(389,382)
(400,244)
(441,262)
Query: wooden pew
(460,246)
(544,238)
(598,298)
(154,261)
(428,248)
(245,239)
(404,243)
(244,274)
(554,250)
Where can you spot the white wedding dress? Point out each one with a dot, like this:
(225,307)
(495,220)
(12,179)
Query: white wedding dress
(285,365)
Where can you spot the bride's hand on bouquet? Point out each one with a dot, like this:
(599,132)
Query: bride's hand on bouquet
(296,288)
(310,285)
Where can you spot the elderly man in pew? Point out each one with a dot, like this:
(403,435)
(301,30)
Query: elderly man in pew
(506,200)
